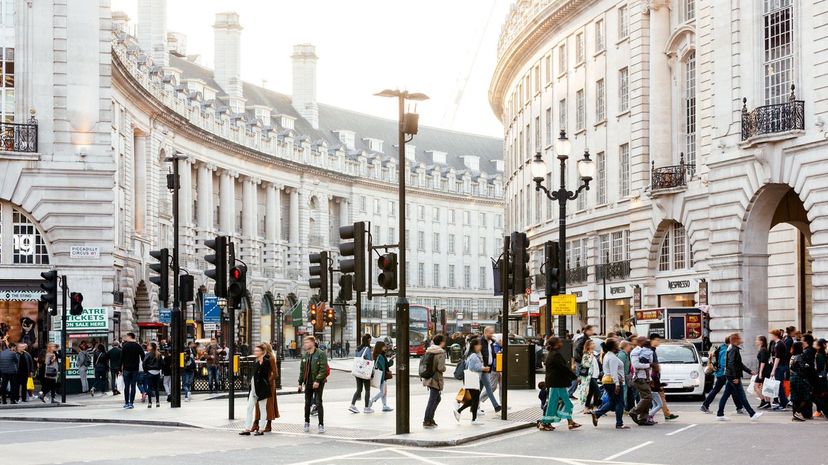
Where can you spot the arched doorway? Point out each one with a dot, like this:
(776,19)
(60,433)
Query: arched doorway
(776,278)
(266,318)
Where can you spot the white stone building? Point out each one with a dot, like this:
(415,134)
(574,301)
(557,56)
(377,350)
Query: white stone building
(277,173)
(710,185)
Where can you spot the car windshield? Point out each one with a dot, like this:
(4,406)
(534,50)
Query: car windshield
(676,354)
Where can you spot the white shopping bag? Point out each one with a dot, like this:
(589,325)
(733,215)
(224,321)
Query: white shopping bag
(471,380)
(770,388)
(376,380)
(752,385)
(119,383)
(363,368)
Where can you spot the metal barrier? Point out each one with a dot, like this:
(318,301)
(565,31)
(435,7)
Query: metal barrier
(242,381)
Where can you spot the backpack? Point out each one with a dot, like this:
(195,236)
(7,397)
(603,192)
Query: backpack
(459,369)
(427,366)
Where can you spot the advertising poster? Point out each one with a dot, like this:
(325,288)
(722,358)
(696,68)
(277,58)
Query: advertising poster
(19,318)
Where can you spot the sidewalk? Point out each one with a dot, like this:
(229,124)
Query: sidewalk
(206,412)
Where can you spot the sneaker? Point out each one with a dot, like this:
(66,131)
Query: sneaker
(481,413)
(157,405)
(456,412)
(321,429)
(131,406)
(777,408)
(704,409)
(740,411)
(126,406)
(306,428)
(149,405)
(387,409)
(765,406)
(429,424)
(755,416)
(797,417)
(671,416)
(498,409)
(594,419)
(367,410)
(478,422)
(622,427)
(353,409)
(722,418)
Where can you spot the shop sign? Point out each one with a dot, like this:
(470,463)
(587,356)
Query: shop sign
(636,303)
(20,296)
(703,292)
(82,251)
(616,292)
(91,320)
(211,326)
(650,315)
(564,304)
(676,286)
(693,326)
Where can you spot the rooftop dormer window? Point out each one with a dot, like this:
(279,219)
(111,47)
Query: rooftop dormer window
(471,162)
(346,137)
(375,145)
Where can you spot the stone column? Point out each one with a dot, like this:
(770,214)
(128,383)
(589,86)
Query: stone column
(819,288)
(250,232)
(293,237)
(273,226)
(139,154)
(660,108)
(227,203)
(205,198)
(185,207)
(344,212)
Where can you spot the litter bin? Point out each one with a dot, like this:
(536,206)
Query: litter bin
(521,366)
(455,352)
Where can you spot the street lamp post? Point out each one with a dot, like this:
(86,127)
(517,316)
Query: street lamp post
(278,303)
(586,171)
(407,126)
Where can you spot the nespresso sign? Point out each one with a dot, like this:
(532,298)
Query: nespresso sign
(677,286)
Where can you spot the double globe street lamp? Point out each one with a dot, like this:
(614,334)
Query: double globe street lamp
(586,172)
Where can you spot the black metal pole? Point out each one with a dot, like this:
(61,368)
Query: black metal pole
(402,300)
(504,360)
(176,320)
(358,312)
(603,318)
(231,372)
(64,364)
(549,262)
(280,347)
(562,198)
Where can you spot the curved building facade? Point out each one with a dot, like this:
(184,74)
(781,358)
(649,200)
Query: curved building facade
(705,124)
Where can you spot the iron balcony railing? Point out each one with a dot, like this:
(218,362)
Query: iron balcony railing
(19,137)
(579,274)
(669,177)
(772,119)
(614,270)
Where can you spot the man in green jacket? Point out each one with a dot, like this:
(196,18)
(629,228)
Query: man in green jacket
(313,371)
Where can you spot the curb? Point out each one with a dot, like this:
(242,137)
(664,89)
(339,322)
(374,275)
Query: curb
(448,442)
(244,394)
(36,406)
(171,424)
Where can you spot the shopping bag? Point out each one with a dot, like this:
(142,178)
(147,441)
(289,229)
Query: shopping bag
(752,385)
(119,382)
(363,368)
(376,380)
(770,388)
(471,380)
(461,396)
(30,384)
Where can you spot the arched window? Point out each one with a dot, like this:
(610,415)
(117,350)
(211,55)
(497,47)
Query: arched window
(675,253)
(20,240)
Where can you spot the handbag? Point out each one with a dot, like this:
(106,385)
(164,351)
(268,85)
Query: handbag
(30,384)
(119,382)
(583,371)
(463,395)
(388,375)
(471,380)
(363,368)
(607,379)
(752,384)
(770,388)
(376,380)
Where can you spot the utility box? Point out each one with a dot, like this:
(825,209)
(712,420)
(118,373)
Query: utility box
(521,366)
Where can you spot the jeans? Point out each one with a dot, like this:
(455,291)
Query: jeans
(362,385)
(130,382)
(100,380)
(83,378)
(720,382)
(434,399)
(114,375)
(310,398)
(168,384)
(645,402)
(9,387)
(616,403)
(473,403)
(781,374)
(48,387)
(734,389)
(657,404)
(487,380)
(630,397)
(593,397)
(574,385)
(252,400)
(382,394)
(213,378)
(187,382)
(141,379)
(152,386)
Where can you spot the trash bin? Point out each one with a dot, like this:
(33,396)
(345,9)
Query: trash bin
(521,366)
(455,352)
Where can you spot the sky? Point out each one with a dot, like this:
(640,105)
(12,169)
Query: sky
(443,48)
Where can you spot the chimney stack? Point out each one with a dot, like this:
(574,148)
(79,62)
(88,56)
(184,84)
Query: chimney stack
(152,30)
(227,35)
(304,83)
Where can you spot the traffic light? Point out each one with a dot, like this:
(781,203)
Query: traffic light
(550,252)
(318,271)
(520,258)
(219,261)
(330,318)
(316,311)
(116,318)
(163,278)
(76,303)
(346,288)
(354,249)
(50,286)
(387,264)
(238,285)
(186,285)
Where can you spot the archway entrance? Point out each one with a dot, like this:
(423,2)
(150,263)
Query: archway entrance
(777,268)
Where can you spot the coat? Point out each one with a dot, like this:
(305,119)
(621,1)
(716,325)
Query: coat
(261,379)
(314,366)
(272,406)
(439,361)
(558,373)
(8,362)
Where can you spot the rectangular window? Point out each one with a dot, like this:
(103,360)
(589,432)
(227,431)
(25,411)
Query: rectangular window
(435,214)
(421,241)
(623,90)
(547,68)
(689,10)
(377,209)
(580,111)
(579,48)
(466,218)
(599,36)
(618,246)
(690,113)
(679,241)
(603,248)
(363,203)
(420,212)
(435,275)
(537,134)
(624,170)
(466,245)
(481,220)
(435,242)
(392,208)
(623,24)
(601,168)
(451,216)
(528,143)
(548,128)
(664,254)
(538,207)
(392,235)
(421,274)
(451,273)
(549,205)
(407,240)
(451,244)
(498,221)
(467,276)
(483,284)
(562,115)
(562,58)
(536,73)
(481,244)
(600,101)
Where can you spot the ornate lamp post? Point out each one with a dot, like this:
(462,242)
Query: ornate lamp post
(586,171)
(276,316)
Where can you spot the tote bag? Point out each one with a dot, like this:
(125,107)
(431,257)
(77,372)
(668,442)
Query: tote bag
(363,369)
(471,380)
(770,388)
(376,380)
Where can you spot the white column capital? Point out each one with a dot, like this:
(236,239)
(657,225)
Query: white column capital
(230,173)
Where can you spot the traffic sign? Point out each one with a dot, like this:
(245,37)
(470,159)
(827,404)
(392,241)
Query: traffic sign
(211,326)
(164,315)
(212,312)
(564,304)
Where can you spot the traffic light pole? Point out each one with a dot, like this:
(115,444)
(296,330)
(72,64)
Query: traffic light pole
(64,365)
(402,301)
(504,359)
(176,322)
(358,313)
(231,373)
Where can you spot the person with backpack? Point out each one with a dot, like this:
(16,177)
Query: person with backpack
(313,371)
(152,368)
(50,374)
(432,367)
(717,359)
(382,364)
(188,373)
(362,352)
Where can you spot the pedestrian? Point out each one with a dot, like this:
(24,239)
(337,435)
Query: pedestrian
(143,378)
(578,355)
(489,378)
(313,370)
(272,409)
(800,388)
(293,348)
(764,371)
(131,356)
(188,373)
(588,373)
(629,391)
(260,390)
(364,352)
(717,358)
(84,361)
(101,364)
(474,363)
(433,365)
(642,359)
(152,370)
(820,395)
(213,358)
(166,373)
(613,383)
(733,387)
(781,368)
(9,363)
(382,366)
(557,379)
(50,374)
(659,396)
(25,371)
(114,357)
(347,348)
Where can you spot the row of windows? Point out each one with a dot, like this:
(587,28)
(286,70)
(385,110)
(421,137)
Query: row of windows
(450,280)
(437,216)
(436,241)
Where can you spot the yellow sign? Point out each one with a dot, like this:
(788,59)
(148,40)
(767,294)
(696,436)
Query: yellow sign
(235,364)
(181,361)
(564,304)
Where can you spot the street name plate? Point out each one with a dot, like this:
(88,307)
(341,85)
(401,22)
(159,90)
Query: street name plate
(564,304)
(82,251)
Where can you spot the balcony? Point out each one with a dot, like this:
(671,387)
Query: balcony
(579,274)
(671,177)
(19,137)
(767,120)
(614,270)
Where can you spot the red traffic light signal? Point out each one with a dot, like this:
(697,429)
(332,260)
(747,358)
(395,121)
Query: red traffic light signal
(387,278)
(76,303)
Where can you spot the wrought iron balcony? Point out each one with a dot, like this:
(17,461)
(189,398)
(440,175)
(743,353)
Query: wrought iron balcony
(614,270)
(579,274)
(773,119)
(669,177)
(19,137)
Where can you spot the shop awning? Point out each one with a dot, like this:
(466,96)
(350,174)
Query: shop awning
(296,314)
(530,310)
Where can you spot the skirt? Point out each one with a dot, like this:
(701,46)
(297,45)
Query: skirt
(558,408)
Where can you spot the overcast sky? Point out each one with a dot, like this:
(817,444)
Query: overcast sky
(443,48)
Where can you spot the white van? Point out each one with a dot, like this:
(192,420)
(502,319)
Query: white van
(681,368)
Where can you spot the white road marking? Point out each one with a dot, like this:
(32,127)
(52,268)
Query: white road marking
(421,459)
(615,456)
(345,456)
(500,438)
(579,461)
(681,429)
